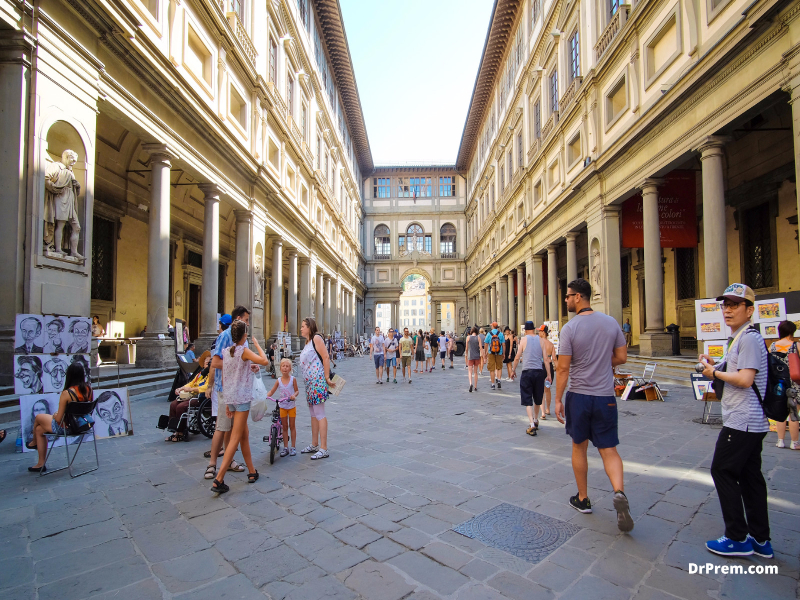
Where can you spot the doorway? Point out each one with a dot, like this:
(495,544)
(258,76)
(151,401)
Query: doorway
(194,311)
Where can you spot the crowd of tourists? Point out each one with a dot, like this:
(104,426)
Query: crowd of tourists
(425,349)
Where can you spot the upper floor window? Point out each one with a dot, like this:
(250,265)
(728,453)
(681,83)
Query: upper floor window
(273,60)
(519,150)
(534,12)
(614,7)
(574,57)
(537,120)
(319,152)
(447,239)
(554,91)
(304,121)
(447,186)
(381,187)
(502,181)
(414,187)
(382,240)
(510,162)
(290,93)
(238,7)
(305,18)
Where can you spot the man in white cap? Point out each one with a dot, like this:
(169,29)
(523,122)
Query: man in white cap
(736,466)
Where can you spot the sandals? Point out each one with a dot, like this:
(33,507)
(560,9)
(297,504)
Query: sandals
(219,487)
(175,437)
(236,467)
(207,454)
(252,477)
(29,447)
(211,472)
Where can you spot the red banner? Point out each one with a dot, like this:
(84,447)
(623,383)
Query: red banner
(677,213)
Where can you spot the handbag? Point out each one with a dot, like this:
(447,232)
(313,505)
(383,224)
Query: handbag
(320,357)
(794,364)
(77,424)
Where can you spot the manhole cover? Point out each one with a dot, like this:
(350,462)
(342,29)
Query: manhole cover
(524,533)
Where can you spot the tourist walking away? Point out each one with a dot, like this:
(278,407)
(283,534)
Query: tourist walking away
(736,466)
(495,343)
(76,389)
(482,336)
(286,388)
(550,348)
(315,365)
(406,348)
(238,377)
(535,371)
(444,345)
(427,349)
(433,340)
(591,344)
(376,348)
(224,425)
(626,329)
(419,351)
(473,354)
(390,352)
(451,348)
(509,352)
(783,348)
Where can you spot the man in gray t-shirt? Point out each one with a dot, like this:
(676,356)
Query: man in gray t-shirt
(590,346)
(376,348)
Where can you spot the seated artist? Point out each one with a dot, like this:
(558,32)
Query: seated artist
(75,390)
(196,387)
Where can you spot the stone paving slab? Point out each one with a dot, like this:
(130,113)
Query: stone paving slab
(376,519)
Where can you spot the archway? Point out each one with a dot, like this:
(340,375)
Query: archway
(415,300)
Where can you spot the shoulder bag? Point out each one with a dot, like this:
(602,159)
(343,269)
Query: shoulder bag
(794,364)
(320,356)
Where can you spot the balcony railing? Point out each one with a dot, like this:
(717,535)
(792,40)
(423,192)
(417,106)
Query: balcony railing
(569,94)
(549,125)
(612,29)
(382,257)
(280,105)
(533,150)
(449,255)
(240,33)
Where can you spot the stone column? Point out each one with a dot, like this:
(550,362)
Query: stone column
(537,290)
(319,313)
(495,314)
(522,295)
(336,285)
(242,294)
(305,287)
(654,341)
(572,261)
(328,323)
(794,89)
(552,283)
(512,309)
(153,352)
(503,301)
(210,289)
(291,309)
(715,242)
(276,291)
(482,315)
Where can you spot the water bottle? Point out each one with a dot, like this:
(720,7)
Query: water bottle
(779,388)
(18,444)
(547,384)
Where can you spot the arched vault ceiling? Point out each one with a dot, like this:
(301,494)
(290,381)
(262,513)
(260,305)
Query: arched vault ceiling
(329,17)
(497,38)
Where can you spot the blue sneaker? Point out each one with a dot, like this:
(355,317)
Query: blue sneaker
(728,547)
(764,549)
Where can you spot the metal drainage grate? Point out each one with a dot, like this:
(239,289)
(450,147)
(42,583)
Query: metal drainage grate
(524,533)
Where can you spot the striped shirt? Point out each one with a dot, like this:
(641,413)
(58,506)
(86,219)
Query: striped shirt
(741,408)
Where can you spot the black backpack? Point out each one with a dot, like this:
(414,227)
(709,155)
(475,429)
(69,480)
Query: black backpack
(775,401)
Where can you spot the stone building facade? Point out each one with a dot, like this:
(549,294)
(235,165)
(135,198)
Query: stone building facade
(220,147)
(591,120)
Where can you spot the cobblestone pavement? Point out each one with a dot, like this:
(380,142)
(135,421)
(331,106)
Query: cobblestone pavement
(407,464)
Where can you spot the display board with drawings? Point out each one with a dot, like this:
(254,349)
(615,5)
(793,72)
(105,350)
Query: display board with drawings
(112,416)
(709,320)
(52,334)
(772,310)
(44,373)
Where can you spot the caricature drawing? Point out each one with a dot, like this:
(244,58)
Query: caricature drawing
(29,373)
(30,328)
(57,369)
(111,409)
(55,343)
(81,333)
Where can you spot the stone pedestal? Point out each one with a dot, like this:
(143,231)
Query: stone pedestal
(154,353)
(655,344)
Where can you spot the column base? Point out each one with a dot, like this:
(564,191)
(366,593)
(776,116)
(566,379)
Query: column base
(203,343)
(153,353)
(655,343)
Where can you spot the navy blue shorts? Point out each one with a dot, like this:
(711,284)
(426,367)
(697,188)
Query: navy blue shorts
(531,386)
(592,418)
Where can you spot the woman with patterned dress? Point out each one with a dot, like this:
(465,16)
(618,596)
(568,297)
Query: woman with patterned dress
(315,366)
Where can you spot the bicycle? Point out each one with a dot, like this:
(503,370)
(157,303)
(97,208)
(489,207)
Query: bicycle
(275,432)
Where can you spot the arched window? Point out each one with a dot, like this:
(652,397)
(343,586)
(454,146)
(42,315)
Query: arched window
(447,239)
(416,238)
(382,242)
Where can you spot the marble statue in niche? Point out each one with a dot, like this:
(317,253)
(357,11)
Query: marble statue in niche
(61,207)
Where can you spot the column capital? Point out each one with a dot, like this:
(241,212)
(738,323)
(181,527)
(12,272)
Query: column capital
(537,258)
(210,191)
(712,146)
(552,248)
(291,252)
(326,277)
(243,216)
(276,241)
(649,185)
(303,260)
(160,152)
(571,236)
(612,210)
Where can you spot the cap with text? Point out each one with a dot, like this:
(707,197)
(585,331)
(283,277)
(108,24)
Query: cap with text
(738,292)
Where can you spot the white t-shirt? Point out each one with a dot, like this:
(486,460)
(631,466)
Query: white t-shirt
(391,348)
(442,343)
(378,342)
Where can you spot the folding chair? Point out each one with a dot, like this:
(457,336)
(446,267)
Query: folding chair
(76,409)
(647,375)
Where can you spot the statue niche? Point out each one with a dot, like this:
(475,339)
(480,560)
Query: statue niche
(62,228)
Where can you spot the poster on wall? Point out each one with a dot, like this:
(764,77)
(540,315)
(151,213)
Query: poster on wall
(29,334)
(36,404)
(677,212)
(709,320)
(772,310)
(112,416)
